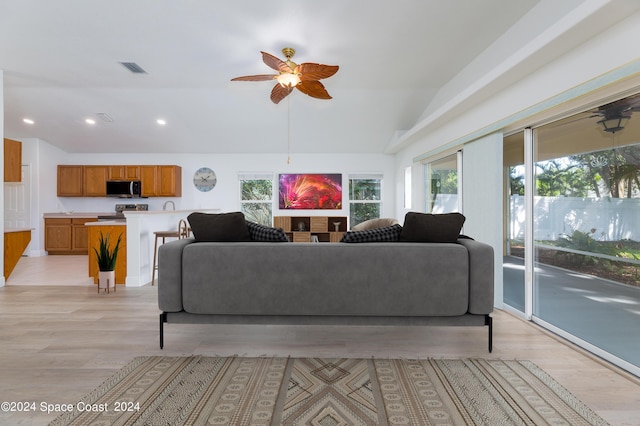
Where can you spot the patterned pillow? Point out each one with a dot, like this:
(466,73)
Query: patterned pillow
(259,232)
(377,235)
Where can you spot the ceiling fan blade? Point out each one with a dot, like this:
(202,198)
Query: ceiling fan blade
(310,71)
(259,77)
(275,63)
(279,93)
(313,88)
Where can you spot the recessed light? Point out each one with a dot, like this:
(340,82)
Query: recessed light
(161,122)
(90,121)
(28,120)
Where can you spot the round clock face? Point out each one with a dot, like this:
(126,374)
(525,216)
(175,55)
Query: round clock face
(204,179)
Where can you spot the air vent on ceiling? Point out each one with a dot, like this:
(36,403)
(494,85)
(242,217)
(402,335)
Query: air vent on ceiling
(133,67)
(104,117)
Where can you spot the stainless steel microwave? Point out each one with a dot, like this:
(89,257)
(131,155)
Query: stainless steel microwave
(124,188)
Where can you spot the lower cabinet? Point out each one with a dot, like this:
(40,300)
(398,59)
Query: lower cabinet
(66,236)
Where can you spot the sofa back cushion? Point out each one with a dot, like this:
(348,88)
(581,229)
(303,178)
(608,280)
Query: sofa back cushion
(222,227)
(431,228)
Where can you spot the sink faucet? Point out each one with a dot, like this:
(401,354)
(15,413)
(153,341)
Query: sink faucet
(164,206)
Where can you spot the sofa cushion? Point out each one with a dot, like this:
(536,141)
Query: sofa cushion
(431,228)
(376,235)
(374,223)
(259,232)
(222,227)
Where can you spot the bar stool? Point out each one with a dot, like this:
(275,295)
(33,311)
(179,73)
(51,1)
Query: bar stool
(183,232)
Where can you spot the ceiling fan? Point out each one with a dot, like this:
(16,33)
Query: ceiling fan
(304,77)
(614,115)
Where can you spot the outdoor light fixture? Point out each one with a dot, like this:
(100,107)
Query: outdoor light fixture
(614,123)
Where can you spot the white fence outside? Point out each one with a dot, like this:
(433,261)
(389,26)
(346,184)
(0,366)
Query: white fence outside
(613,219)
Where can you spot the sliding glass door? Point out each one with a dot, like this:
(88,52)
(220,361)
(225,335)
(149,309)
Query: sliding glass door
(574,235)
(587,232)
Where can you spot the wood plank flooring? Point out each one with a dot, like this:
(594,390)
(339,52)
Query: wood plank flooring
(57,343)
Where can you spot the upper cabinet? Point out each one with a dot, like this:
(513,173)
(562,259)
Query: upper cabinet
(95,181)
(124,172)
(161,181)
(12,161)
(70,181)
(90,181)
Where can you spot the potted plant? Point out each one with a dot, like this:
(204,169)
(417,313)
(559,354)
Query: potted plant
(106,257)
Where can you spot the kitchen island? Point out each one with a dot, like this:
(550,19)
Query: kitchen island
(15,243)
(141,226)
(113,230)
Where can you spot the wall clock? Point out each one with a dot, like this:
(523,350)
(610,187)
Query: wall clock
(204,179)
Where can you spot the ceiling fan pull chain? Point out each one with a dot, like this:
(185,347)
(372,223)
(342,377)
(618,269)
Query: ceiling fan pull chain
(288,130)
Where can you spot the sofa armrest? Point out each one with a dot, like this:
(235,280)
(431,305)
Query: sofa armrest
(481,271)
(170,275)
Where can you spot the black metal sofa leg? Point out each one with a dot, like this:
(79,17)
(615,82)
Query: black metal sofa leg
(488,320)
(163,319)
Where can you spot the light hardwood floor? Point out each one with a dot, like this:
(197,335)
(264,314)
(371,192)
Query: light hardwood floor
(57,343)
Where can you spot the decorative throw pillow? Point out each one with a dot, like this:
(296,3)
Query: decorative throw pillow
(377,235)
(222,227)
(375,223)
(431,228)
(259,232)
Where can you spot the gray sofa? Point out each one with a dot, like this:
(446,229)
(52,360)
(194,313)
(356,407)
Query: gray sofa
(395,283)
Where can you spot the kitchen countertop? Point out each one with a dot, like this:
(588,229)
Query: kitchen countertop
(143,212)
(72,215)
(9,230)
(107,223)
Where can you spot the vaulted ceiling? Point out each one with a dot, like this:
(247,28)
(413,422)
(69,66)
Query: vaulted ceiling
(62,64)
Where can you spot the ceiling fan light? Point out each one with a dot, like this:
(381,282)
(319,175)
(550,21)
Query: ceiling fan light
(288,79)
(615,123)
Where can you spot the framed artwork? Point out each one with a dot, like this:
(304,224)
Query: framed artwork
(310,191)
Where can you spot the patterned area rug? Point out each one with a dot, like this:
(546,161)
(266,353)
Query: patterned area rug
(328,392)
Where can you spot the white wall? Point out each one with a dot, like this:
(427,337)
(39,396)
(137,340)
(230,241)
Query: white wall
(2,279)
(225,196)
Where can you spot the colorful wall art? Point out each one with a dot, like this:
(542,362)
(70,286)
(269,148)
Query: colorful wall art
(310,191)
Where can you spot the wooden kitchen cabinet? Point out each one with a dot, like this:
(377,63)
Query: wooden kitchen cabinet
(124,172)
(12,161)
(161,181)
(70,181)
(66,236)
(90,181)
(95,181)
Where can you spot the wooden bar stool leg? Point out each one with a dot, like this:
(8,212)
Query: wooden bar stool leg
(155,260)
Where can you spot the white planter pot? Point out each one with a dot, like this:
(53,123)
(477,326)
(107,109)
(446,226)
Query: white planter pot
(106,280)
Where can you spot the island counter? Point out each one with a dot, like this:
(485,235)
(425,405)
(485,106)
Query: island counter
(15,243)
(141,226)
(112,229)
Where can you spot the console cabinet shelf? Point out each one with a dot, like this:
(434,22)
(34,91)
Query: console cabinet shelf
(303,229)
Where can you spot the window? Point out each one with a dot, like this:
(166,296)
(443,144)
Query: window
(442,184)
(365,197)
(256,197)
